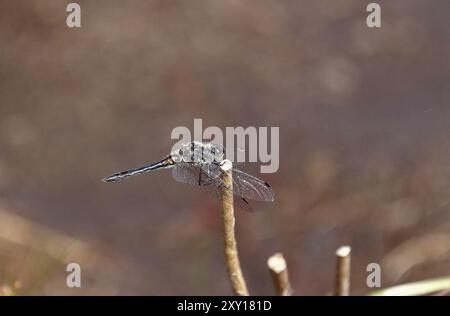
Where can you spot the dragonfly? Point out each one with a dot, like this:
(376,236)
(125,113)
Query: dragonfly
(200,164)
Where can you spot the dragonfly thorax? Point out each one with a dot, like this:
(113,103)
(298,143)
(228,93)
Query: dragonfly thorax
(198,152)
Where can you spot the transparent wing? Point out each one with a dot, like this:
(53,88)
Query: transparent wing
(250,187)
(244,185)
(197,175)
(189,173)
(238,201)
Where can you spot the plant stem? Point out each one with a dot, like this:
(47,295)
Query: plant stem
(278,269)
(343,271)
(228,219)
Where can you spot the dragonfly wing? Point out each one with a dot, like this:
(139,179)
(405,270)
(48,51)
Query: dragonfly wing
(238,201)
(189,173)
(195,175)
(244,185)
(250,187)
(242,203)
(212,173)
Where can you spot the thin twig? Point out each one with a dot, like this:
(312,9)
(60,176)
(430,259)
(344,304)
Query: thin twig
(231,253)
(278,269)
(343,271)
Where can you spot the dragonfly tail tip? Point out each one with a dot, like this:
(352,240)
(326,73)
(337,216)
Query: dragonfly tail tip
(109,179)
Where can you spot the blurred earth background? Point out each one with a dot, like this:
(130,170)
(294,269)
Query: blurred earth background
(364,117)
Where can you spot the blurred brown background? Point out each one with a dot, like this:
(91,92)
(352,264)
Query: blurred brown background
(364,141)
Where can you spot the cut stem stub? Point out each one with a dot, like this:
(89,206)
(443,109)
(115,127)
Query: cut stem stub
(343,271)
(278,269)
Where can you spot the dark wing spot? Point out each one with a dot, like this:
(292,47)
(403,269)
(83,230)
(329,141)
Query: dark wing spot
(246,202)
(267,185)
